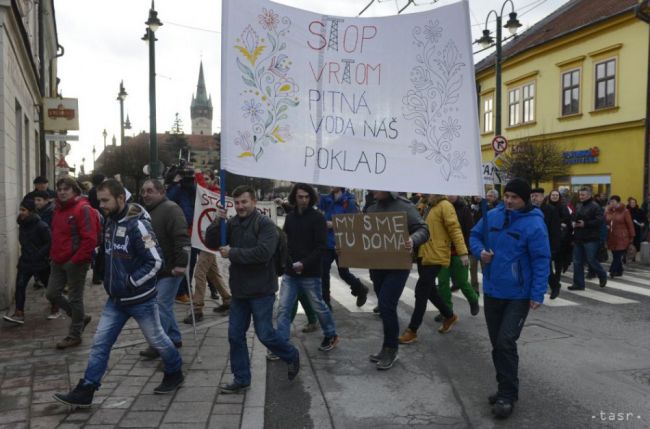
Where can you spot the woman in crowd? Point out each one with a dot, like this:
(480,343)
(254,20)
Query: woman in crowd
(620,233)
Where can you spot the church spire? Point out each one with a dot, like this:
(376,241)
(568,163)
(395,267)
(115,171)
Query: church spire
(201,107)
(201,98)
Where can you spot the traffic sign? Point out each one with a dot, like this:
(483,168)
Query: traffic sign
(499,144)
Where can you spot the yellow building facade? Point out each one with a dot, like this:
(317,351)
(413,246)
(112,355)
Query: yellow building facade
(584,90)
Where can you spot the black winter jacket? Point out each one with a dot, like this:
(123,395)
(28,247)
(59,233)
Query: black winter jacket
(170,226)
(35,240)
(307,240)
(552,221)
(592,214)
(46,213)
(252,269)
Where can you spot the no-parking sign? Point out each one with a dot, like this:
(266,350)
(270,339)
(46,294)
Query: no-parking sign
(205,212)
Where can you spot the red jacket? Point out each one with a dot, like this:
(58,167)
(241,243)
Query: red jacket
(75,230)
(620,226)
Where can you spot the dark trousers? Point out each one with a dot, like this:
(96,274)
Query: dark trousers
(505,319)
(330,256)
(616,268)
(426,290)
(22,279)
(555,273)
(389,285)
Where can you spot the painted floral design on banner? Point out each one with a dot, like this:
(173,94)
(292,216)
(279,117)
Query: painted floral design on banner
(270,91)
(432,102)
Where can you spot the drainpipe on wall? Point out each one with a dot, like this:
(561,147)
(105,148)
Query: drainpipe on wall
(642,11)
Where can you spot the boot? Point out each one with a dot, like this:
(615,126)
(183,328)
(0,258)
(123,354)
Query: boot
(378,356)
(502,408)
(388,359)
(198,316)
(409,336)
(170,383)
(81,396)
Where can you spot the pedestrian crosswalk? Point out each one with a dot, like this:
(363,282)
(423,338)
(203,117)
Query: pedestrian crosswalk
(633,287)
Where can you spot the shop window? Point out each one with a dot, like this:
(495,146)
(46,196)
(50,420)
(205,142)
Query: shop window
(488,114)
(571,92)
(521,104)
(606,84)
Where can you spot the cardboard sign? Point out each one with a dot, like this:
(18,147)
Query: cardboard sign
(372,240)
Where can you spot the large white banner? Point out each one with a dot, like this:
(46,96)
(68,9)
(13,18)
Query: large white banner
(376,103)
(205,212)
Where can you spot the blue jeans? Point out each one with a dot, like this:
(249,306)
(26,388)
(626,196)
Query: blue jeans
(389,285)
(310,286)
(261,309)
(167,290)
(110,325)
(505,319)
(586,252)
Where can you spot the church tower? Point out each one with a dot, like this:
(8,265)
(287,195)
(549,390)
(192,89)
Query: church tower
(201,108)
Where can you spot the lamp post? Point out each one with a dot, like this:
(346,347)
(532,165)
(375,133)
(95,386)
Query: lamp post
(94,158)
(486,41)
(121,96)
(153,23)
(104,134)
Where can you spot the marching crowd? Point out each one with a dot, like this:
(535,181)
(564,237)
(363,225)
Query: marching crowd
(143,256)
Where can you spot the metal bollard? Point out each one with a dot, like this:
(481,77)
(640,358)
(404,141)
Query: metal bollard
(645,253)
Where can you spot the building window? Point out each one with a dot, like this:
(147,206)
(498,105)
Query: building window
(606,84)
(571,92)
(529,102)
(514,107)
(488,112)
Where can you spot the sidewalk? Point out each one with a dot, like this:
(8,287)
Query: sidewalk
(32,370)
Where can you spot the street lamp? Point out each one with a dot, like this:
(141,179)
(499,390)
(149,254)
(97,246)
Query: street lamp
(153,23)
(486,41)
(121,96)
(104,134)
(94,157)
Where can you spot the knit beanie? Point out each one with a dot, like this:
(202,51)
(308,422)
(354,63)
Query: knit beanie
(28,204)
(520,187)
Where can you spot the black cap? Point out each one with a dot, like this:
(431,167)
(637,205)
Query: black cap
(28,203)
(41,179)
(41,194)
(537,191)
(520,187)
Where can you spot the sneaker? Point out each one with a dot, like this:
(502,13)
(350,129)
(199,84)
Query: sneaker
(388,359)
(362,297)
(54,315)
(447,324)
(575,287)
(439,318)
(474,308)
(379,356)
(87,320)
(170,383)
(602,281)
(293,368)
(492,399)
(223,308)
(409,336)
(68,342)
(233,388)
(80,397)
(271,357)
(16,318)
(555,291)
(502,408)
(328,343)
(310,327)
(149,353)
(183,299)
(197,318)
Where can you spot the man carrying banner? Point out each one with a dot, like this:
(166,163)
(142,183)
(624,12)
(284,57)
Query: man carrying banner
(252,241)
(338,201)
(389,284)
(306,238)
(170,227)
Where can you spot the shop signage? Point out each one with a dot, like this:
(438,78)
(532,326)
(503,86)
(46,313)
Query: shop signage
(588,156)
(61,114)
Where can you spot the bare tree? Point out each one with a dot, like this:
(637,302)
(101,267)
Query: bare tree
(535,161)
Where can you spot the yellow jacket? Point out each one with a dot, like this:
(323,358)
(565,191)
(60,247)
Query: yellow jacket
(444,229)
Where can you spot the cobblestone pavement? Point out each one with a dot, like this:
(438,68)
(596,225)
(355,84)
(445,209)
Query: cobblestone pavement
(32,370)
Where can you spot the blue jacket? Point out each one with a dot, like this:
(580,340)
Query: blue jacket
(184,197)
(521,261)
(329,205)
(133,256)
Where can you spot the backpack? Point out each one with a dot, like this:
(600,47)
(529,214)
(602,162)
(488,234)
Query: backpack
(281,255)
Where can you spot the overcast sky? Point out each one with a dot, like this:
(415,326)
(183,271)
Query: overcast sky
(102,46)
